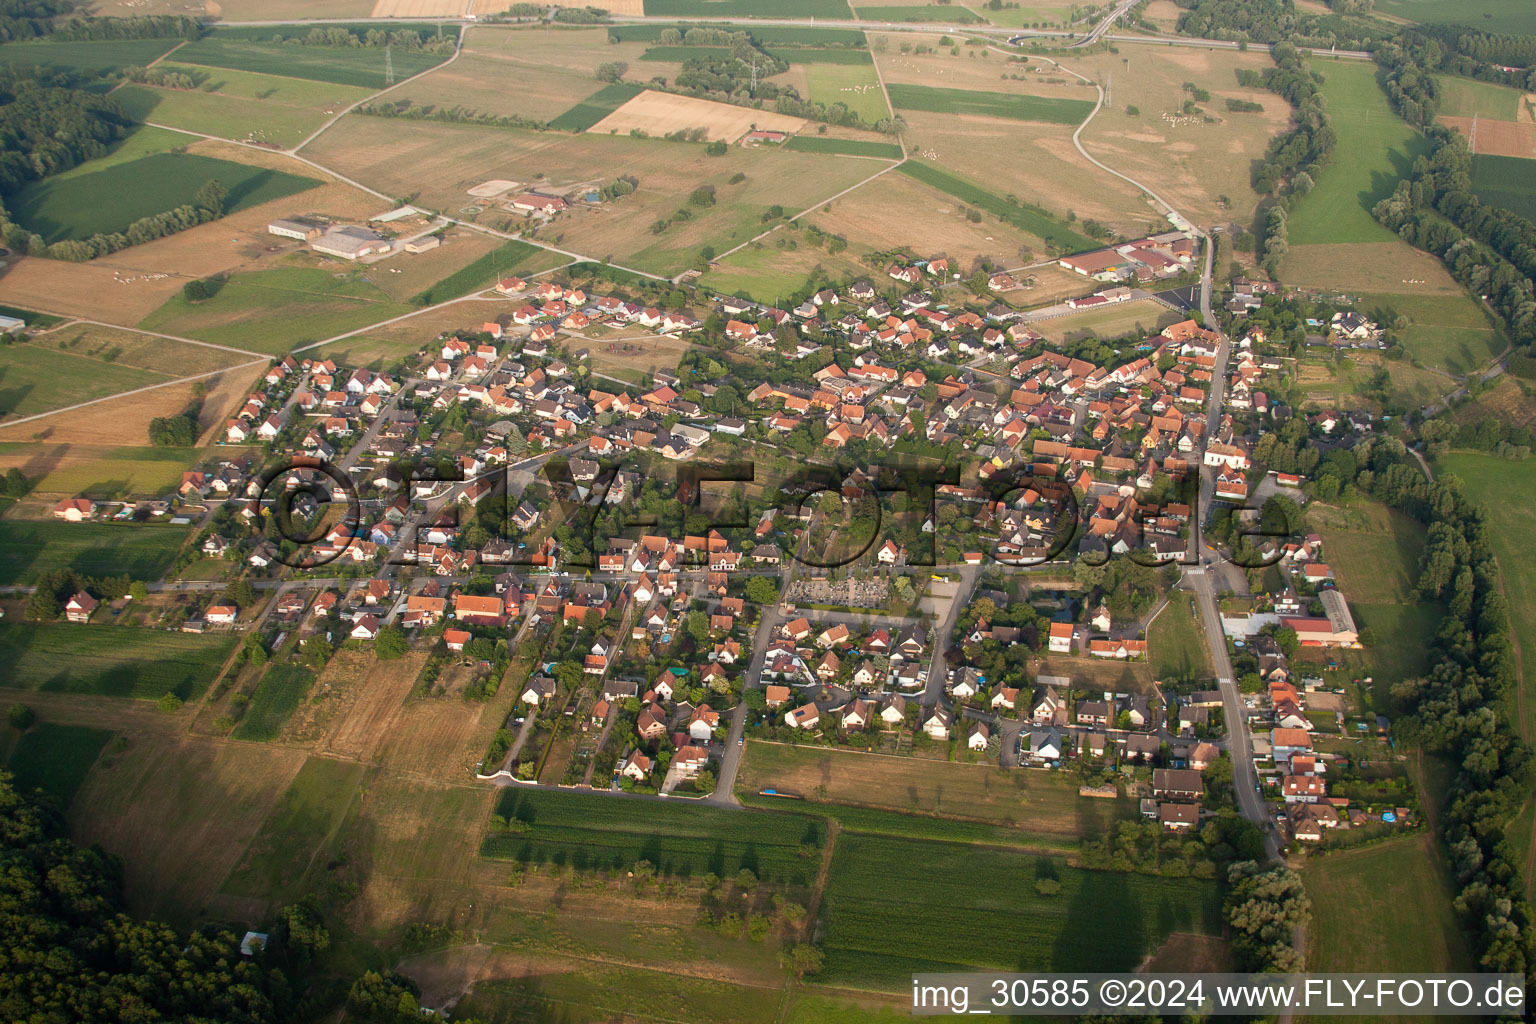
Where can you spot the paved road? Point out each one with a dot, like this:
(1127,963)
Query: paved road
(938,672)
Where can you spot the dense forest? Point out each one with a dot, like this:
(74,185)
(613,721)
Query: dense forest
(29,19)
(48,126)
(1271,21)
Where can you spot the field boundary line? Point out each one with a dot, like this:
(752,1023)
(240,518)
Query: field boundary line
(126,394)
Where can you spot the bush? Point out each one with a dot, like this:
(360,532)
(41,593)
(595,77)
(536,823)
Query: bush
(21,717)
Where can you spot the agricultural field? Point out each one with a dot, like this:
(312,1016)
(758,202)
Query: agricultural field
(659,113)
(1372,549)
(1488,137)
(1467,97)
(1051,180)
(111,661)
(484,272)
(1113,322)
(1446,332)
(105,55)
(315,304)
(1513,16)
(406,275)
(590,111)
(34,379)
(592,831)
(1054,233)
(1506,181)
(240,105)
(277,697)
(476,84)
(71,207)
(951,14)
(56,759)
(1190,161)
(33,547)
(879,933)
(122,346)
(844,147)
(1385,907)
(766,273)
(746,8)
(309,813)
(853,85)
(1176,644)
(1042,807)
(1489,481)
(1338,209)
(362,67)
(577,992)
(1049,109)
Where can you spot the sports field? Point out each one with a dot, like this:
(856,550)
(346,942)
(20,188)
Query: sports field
(1506,181)
(274,310)
(31,547)
(1448,332)
(55,758)
(879,931)
(1490,481)
(1050,109)
(1385,907)
(111,661)
(1109,322)
(362,66)
(240,105)
(1381,149)
(110,199)
(853,85)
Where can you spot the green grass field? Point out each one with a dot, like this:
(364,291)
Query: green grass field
(240,104)
(112,198)
(1447,332)
(1174,643)
(363,67)
(103,55)
(1492,482)
(844,147)
(893,907)
(32,547)
(596,107)
(481,274)
(1035,221)
(56,758)
(951,14)
(591,831)
(274,310)
(853,85)
(108,474)
(578,993)
(1381,148)
(35,379)
(747,9)
(276,699)
(1386,907)
(1466,97)
(111,661)
(1514,16)
(307,815)
(1049,109)
(1506,181)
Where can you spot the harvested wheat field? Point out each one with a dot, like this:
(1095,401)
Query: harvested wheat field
(559,48)
(421,8)
(1191,162)
(660,113)
(930,222)
(503,86)
(1496,138)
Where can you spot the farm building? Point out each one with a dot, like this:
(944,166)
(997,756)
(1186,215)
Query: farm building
(350,242)
(301,230)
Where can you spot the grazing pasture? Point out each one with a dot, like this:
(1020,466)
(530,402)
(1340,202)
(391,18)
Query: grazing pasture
(853,85)
(112,198)
(314,305)
(240,105)
(112,661)
(878,932)
(1049,109)
(32,547)
(592,831)
(362,67)
(56,759)
(1338,209)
